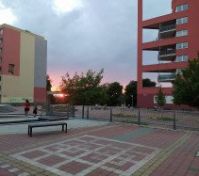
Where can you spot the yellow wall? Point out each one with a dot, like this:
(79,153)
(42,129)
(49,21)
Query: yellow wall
(25,82)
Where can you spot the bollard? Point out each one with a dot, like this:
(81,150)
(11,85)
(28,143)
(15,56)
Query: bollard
(83,112)
(67,111)
(87,112)
(73,111)
(174,120)
(111,115)
(139,119)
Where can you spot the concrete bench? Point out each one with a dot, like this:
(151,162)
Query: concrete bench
(46,124)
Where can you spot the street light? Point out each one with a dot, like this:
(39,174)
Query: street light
(132,101)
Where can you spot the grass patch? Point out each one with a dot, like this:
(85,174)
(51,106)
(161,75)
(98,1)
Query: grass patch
(125,115)
(163,118)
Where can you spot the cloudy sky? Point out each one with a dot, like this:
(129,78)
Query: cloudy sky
(85,34)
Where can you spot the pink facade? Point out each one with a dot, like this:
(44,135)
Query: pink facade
(11,51)
(23,61)
(39,95)
(178,34)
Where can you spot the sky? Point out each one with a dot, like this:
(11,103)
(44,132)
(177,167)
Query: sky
(86,34)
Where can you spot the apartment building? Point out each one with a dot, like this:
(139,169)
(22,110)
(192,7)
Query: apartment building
(23,62)
(177,42)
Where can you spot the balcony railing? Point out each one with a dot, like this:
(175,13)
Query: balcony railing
(166,78)
(167,55)
(167,52)
(167,28)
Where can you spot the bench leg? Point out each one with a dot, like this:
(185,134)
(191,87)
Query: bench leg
(30,132)
(62,127)
(66,128)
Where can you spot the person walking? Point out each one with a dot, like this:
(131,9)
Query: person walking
(35,110)
(26,107)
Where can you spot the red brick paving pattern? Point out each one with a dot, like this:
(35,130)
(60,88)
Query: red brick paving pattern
(51,160)
(74,167)
(4,172)
(34,154)
(182,162)
(108,154)
(159,138)
(102,172)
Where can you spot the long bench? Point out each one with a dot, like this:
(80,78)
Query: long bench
(46,124)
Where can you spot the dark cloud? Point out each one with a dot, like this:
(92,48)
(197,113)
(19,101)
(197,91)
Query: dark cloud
(101,34)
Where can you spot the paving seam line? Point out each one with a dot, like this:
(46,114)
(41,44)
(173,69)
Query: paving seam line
(150,166)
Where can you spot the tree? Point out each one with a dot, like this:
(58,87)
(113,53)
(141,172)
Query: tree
(48,83)
(186,85)
(50,97)
(131,90)
(160,98)
(114,92)
(148,83)
(83,89)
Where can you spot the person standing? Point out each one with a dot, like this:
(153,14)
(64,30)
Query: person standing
(26,107)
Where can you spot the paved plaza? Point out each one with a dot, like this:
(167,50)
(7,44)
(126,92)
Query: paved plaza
(95,148)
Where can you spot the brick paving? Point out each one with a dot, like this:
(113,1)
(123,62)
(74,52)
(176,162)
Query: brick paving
(110,150)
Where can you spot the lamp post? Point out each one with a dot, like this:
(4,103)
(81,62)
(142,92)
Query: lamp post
(132,101)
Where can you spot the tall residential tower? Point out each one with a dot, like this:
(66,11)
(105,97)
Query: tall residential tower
(23,61)
(177,41)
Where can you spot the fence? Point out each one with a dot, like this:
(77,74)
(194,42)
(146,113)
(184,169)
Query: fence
(159,118)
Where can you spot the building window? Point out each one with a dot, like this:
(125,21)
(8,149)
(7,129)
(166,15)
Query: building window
(182,20)
(182,58)
(182,7)
(11,68)
(181,33)
(182,45)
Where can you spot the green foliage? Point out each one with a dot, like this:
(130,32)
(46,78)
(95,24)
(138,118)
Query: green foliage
(148,83)
(186,85)
(131,90)
(160,98)
(114,93)
(48,83)
(85,88)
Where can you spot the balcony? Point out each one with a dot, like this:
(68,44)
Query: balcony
(166,78)
(167,28)
(167,31)
(167,55)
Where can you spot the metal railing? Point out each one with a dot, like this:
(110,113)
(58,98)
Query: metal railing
(150,117)
(168,28)
(168,77)
(167,52)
